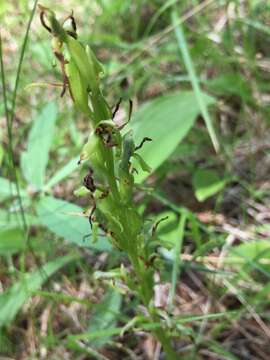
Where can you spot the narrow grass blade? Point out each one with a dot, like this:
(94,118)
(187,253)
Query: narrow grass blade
(218,350)
(87,336)
(257,25)
(176,261)
(156,16)
(18,73)
(10,114)
(194,79)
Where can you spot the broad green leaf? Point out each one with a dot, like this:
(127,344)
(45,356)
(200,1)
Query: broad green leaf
(34,160)
(253,249)
(8,189)
(12,219)
(256,252)
(62,173)
(231,84)
(12,299)
(105,315)
(103,321)
(207,183)
(66,220)
(166,120)
(11,241)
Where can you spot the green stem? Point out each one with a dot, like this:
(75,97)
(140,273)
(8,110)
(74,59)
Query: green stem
(101,112)
(107,158)
(143,292)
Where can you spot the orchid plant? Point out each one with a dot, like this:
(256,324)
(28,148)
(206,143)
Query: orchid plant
(111,155)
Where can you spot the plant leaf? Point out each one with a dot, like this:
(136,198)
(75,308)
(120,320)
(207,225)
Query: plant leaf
(8,189)
(207,183)
(105,315)
(255,254)
(66,220)
(181,41)
(166,120)
(103,321)
(11,219)
(34,160)
(11,241)
(12,299)
(62,173)
(231,84)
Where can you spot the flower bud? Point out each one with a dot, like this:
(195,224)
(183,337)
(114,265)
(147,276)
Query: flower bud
(78,88)
(82,191)
(80,58)
(99,70)
(90,147)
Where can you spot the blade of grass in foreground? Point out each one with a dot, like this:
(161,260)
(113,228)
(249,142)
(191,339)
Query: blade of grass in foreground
(193,78)
(9,114)
(176,260)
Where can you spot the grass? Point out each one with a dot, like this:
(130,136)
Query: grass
(218,294)
(194,80)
